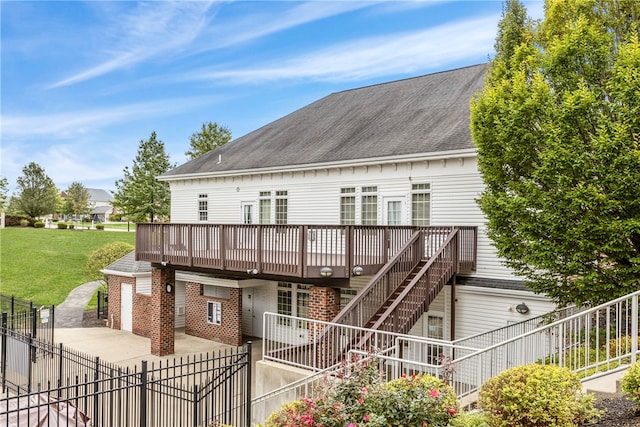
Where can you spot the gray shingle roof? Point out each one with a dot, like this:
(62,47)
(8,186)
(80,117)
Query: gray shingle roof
(128,264)
(428,114)
(99,195)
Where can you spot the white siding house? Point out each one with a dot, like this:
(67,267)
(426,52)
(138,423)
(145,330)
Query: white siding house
(392,154)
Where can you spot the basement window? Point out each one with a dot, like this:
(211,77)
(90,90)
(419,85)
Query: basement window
(214,312)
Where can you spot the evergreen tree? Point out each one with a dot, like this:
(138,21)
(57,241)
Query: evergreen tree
(139,194)
(210,137)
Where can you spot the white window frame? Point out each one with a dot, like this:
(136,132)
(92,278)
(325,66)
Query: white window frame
(203,207)
(214,312)
(420,188)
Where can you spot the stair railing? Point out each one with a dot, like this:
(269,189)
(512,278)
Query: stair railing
(364,305)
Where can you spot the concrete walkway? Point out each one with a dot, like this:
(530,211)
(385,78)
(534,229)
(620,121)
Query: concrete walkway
(69,313)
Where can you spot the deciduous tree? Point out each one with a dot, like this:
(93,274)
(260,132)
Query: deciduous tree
(78,200)
(4,194)
(37,194)
(139,194)
(557,127)
(210,137)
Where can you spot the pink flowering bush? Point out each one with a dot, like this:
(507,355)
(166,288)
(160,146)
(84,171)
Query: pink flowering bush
(359,397)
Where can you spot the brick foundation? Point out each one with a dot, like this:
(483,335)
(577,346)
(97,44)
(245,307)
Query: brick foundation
(229,331)
(162,309)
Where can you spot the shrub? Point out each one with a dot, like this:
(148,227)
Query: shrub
(24,223)
(62,225)
(38,224)
(470,419)
(622,345)
(105,255)
(631,382)
(536,395)
(99,226)
(416,400)
(360,398)
(14,220)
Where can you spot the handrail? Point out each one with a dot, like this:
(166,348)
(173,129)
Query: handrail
(558,323)
(401,297)
(358,299)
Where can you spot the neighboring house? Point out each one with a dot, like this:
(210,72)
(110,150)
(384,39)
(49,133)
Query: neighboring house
(299,216)
(101,202)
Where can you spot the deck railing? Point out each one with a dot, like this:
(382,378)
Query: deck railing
(287,250)
(591,342)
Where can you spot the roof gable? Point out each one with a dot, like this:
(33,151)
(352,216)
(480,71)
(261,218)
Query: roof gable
(428,114)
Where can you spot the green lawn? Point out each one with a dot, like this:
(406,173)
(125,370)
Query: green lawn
(44,265)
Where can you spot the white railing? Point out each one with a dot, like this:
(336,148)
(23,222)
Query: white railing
(591,342)
(316,345)
(263,405)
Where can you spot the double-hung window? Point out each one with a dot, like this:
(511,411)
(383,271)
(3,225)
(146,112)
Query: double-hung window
(265,207)
(421,204)
(369,206)
(282,207)
(348,206)
(203,207)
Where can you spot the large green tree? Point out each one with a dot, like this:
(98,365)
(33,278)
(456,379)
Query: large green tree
(210,137)
(78,200)
(36,193)
(557,127)
(139,194)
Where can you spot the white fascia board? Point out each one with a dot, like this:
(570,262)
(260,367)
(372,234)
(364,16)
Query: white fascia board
(125,273)
(443,155)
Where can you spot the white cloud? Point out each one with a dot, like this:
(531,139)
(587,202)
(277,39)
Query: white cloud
(377,56)
(153,29)
(73,123)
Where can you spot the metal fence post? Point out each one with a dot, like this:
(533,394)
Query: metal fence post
(634,328)
(3,360)
(96,377)
(195,405)
(34,321)
(143,395)
(248,392)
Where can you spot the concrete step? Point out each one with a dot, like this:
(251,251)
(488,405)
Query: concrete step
(605,387)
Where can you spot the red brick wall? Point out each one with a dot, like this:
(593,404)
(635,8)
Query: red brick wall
(115,292)
(230,329)
(141,315)
(141,306)
(162,308)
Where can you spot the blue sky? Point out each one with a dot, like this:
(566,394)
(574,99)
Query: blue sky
(83,82)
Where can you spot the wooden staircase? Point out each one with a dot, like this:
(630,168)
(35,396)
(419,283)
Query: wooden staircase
(394,296)
(398,295)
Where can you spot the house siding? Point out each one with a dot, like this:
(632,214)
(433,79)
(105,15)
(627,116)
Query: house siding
(314,197)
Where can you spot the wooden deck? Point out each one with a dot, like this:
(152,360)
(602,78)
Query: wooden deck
(295,251)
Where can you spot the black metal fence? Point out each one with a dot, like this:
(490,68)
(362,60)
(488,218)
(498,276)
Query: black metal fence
(103,304)
(27,317)
(55,382)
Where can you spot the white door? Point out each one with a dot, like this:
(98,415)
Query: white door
(126,307)
(260,305)
(247,312)
(394,213)
(247,212)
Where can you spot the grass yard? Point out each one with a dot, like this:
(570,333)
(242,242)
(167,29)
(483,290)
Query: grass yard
(44,265)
